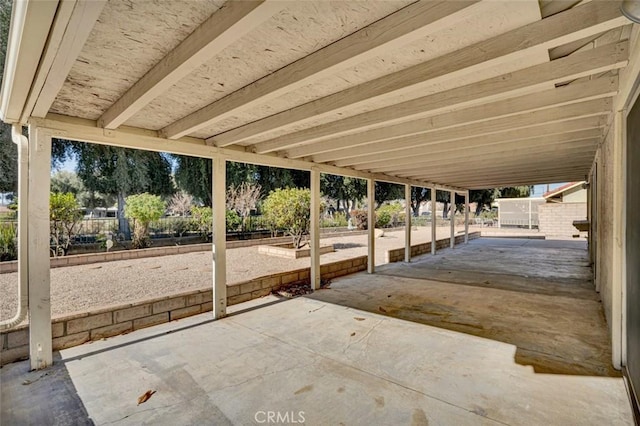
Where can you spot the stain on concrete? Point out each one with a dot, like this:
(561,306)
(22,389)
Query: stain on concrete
(304,389)
(535,294)
(379,401)
(419,418)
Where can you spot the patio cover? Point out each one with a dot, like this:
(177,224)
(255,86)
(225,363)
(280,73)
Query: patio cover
(451,95)
(463,94)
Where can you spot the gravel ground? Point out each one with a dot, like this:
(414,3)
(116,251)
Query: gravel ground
(80,288)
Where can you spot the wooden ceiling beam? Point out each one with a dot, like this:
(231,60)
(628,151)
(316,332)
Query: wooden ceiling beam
(566,130)
(574,24)
(224,27)
(462,149)
(597,107)
(569,176)
(495,153)
(602,87)
(402,27)
(71,28)
(515,168)
(520,82)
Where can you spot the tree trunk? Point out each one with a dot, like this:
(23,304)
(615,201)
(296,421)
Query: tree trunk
(123,223)
(415,207)
(445,210)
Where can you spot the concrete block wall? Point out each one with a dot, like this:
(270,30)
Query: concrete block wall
(89,258)
(556,219)
(397,255)
(76,329)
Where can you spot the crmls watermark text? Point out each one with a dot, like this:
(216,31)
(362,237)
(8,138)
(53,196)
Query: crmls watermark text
(279,417)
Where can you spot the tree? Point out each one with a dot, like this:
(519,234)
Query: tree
(193,175)
(243,198)
(64,218)
(143,209)
(418,196)
(289,209)
(117,172)
(385,191)
(8,150)
(346,190)
(181,204)
(515,191)
(8,160)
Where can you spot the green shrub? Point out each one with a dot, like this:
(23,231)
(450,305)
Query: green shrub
(202,217)
(180,226)
(64,220)
(233,220)
(202,221)
(143,209)
(390,215)
(289,209)
(338,219)
(8,242)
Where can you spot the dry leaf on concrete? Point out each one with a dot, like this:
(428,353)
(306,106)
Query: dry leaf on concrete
(145,396)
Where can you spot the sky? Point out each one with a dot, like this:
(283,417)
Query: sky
(538,190)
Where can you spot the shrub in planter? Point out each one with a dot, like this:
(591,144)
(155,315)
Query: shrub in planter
(8,242)
(202,221)
(389,215)
(289,209)
(143,209)
(64,220)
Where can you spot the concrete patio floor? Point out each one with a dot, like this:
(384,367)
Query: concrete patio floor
(337,358)
(535,294)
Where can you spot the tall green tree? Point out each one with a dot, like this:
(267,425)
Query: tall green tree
(118,172)
(8,150)
(193,175)
(64,181)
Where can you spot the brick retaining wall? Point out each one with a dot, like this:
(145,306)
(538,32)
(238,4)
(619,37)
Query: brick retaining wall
(76,329)
(89,258)
(397,255)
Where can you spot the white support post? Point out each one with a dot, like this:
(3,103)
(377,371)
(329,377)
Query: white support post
(529,213)
(219,238)
(40,339)
(433,220)
(452,218)
(407,223)
(371,225)
(466,217)
(315,229)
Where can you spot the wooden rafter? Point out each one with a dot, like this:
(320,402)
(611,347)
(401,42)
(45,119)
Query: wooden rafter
(227,25)
(574,24)
(408,24)
(603,87)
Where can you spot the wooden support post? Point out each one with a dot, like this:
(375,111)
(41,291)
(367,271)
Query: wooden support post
(433,220)
(315,229)
(371,224)
(452,217)
(219,238)
(529,213)
(466,217)
(37,203)
(407,223)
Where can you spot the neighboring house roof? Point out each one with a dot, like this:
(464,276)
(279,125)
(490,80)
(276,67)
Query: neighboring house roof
(561,189)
